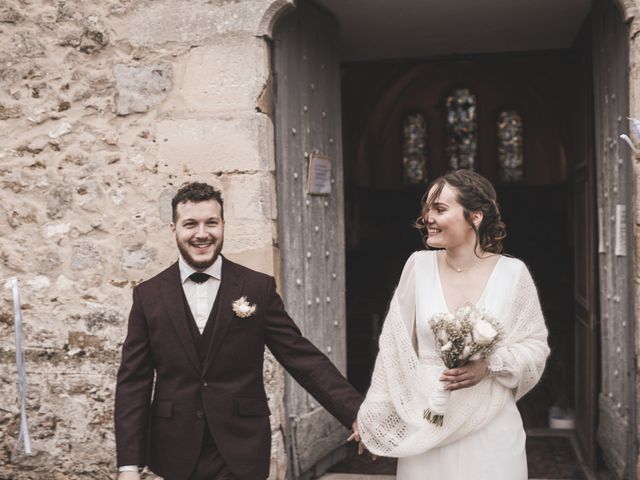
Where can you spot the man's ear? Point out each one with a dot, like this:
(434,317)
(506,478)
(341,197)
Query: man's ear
(172,226)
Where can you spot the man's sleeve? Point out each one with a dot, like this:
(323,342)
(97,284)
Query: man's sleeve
(308,365)
(133,390)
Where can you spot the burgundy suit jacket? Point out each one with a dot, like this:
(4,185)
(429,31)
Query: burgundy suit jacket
(227,391)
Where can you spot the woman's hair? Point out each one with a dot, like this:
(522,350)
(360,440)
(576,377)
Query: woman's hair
(476,194)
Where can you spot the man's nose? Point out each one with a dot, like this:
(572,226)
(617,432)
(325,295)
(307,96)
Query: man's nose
(202,230)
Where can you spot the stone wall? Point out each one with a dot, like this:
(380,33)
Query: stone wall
(106,107)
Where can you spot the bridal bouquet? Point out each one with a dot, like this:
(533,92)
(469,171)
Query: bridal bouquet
(463,336)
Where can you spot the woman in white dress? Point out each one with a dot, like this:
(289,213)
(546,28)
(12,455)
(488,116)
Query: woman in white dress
(482,437)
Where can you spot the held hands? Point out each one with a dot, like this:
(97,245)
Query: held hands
(465,377)
(355,436)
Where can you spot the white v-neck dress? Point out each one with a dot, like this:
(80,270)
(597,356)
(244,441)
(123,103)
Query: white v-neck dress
(496,451)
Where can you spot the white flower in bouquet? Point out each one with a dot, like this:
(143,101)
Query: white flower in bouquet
(466,335)
(484,333)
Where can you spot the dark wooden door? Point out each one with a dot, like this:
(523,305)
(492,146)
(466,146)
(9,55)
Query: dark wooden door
(585,311)
(310,227)
(585,261)
(617,422)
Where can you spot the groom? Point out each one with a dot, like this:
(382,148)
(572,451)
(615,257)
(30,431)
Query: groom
(199,329)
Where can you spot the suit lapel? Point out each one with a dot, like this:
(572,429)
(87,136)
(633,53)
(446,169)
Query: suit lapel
(230,290)
(172,298)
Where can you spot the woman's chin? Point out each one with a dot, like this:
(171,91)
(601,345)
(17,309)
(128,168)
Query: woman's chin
(434,243)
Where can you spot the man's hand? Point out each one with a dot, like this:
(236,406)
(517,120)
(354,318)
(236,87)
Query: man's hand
(356,436)
(465,377)
(128,476)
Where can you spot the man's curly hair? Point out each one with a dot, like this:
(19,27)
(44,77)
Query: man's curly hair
(196,192)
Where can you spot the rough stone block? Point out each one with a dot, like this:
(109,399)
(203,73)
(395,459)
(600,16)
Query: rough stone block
(95,35)
(260,259)
(10,15)
(214,145)
(137,259)
(247,207)
(84,256)
(59,200)
(194,21)
(227,75)
(139,87)
(278,469)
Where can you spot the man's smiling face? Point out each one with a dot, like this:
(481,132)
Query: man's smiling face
(199,232)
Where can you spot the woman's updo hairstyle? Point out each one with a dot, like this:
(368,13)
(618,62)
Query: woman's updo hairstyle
(476,194)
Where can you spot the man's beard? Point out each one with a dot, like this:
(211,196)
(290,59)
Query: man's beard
(199,265)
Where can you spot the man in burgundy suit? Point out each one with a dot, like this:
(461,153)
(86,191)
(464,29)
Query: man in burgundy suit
(199,329)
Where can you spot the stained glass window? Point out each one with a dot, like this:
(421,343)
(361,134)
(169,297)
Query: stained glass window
(462,129)
(510,149)
(414,149)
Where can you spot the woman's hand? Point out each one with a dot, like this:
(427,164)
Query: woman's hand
(355,436)
(465,377)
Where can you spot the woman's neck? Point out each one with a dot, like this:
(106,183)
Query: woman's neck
(463,257)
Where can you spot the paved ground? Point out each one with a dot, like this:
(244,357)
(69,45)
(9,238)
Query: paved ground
(550,456)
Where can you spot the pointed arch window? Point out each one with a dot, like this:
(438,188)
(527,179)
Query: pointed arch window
(510,146)
(462,129)
(414,149)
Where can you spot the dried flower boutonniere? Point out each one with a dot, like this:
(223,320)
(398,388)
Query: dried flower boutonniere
(242,308)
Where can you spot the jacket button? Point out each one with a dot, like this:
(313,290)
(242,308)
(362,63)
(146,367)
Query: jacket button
(205,384)
(199,414)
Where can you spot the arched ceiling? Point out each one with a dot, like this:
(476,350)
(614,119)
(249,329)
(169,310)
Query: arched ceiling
(397,29)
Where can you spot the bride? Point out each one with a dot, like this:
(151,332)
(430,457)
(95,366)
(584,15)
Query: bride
(482,436)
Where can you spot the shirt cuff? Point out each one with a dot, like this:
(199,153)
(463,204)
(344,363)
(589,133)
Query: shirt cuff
(129,468)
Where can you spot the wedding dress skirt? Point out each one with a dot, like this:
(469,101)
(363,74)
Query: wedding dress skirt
(495,452)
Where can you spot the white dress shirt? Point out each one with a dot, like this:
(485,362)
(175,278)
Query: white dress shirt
(201,296)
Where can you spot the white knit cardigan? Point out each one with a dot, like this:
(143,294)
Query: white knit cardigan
(391,419)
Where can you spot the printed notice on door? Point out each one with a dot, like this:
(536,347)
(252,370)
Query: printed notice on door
(319,182)
(621,230)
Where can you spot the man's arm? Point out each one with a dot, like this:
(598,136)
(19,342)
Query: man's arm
(308,365)
(133,390)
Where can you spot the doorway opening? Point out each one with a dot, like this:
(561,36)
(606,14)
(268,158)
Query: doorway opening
(523,119)
(519,104)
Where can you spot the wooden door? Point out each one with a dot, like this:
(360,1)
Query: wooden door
(310,227)
(585,312)
(616,428)
(585,256)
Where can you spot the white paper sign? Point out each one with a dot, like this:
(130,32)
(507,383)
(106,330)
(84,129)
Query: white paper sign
(601,246)
(621,230)
(319,182)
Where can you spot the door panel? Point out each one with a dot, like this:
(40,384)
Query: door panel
(310,227)
(585,310)
(616,429)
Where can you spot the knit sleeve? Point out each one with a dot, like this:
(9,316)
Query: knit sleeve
(518,363)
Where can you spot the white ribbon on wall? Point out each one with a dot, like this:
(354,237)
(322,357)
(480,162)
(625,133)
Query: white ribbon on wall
(24,441)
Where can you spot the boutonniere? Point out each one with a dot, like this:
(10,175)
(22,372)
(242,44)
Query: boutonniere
(242,308)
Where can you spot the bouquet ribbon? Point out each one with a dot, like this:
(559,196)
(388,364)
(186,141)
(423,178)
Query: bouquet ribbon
(24,441)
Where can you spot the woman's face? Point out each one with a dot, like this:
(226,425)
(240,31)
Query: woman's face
(446,225)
